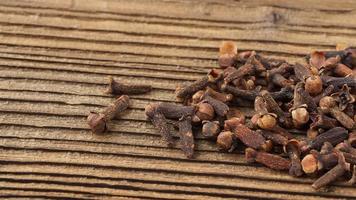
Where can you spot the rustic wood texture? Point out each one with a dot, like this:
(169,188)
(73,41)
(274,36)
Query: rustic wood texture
(55,57)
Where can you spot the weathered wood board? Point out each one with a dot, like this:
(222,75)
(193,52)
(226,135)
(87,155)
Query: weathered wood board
(55,56)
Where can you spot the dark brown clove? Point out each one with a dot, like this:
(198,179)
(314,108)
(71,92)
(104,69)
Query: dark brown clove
(270,160)
(265,120)
(274,137)
(281,81)
(300,115)
(334,136)
(328,105)
(338,82)
(118,88)
(98,121)
(205,111)
(332,174)
(343,97)
(245,94)
(249,137)
(301,72)
(159,121)
(352,139)
(346,147)
(326,92)
(326,148)
(247,69)
(219,96)
(210,129)
(315,162)
(173,111)
(273,107)
(225,140)
(292,148)
(186,135)
(235,112)
(342,70)
(323,121)
(220,107)
(183,92)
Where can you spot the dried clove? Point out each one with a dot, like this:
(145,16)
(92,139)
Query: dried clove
(273,107)
(183,92)
(300,115)
(219,96)
(265,120)
(328,105)
(98,121)
(205,112)
(346,147)
(274,137)
(220,107)
(186,135)
(292,148)
(225,140)
(270,160)
(343,97)
(332,174)
(249,137)
(118,88)
(334,136)
(315,162)
(210,129)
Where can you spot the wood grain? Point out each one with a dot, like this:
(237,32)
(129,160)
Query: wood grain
(55,57)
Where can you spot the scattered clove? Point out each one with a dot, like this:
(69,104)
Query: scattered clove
(118,88)
(98,121)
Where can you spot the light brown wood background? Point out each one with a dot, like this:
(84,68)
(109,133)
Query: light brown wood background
(55,56)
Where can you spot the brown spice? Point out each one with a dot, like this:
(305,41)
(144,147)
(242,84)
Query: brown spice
(98,121)
(118,88)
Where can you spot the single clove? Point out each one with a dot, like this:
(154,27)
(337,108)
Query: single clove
(186,135)
(334,136)
(292,148)
(98,121)
(328,105)
(210,129)
(315,162)
(183,92)
(220,107)
(332,174)
(219,96)
(270,160)
(118,88)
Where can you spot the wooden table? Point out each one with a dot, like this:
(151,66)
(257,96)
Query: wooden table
(55,57)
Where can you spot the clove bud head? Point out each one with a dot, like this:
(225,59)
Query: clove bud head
(96,122)
(250,155)
(210,129)
(309,164)
(300,116)
(224,140)
(326,103)
(205,112)
(267,122)
(313,85)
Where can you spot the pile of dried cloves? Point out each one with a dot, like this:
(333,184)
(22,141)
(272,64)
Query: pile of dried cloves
(304,119)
